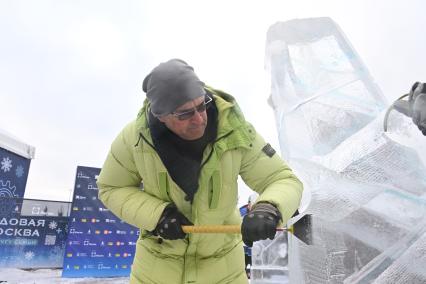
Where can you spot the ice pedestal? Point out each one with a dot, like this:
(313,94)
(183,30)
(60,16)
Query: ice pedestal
(368,188)
(269,260)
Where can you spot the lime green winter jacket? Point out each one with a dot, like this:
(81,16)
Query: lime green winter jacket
(199,258)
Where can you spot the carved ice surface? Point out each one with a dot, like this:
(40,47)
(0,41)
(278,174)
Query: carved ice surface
(269,261)
(321,91)
(367,187)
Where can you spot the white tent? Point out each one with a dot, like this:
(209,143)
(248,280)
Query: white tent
(13,144)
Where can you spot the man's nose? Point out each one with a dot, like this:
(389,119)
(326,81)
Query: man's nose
(198,117)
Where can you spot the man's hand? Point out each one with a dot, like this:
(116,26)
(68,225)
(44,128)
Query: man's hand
(415,107)
(170,225)
(260,223)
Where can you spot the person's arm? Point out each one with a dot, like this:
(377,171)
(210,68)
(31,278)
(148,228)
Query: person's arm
(415,107)
(266,173)
(119,186)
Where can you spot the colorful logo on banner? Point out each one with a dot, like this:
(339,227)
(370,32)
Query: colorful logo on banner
(13,174)
(99,244)
(30,241)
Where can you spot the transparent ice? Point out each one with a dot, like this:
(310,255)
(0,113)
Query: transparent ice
(269,261)
(367,187)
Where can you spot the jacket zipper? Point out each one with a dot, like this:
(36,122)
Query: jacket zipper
(146,140)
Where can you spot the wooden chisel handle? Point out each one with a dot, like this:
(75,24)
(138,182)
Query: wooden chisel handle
(216,229)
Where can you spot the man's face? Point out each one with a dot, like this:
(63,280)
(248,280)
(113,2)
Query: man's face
(191,128)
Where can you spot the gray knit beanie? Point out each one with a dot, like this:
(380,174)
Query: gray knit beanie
(170,85)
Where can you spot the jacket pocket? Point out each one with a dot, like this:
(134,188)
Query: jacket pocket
(215,185)
(163,184)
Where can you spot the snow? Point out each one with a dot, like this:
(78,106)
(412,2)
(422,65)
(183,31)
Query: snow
(49,276)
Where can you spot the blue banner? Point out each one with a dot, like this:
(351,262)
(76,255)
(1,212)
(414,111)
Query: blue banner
(13,174)
(99,244)
(30,241)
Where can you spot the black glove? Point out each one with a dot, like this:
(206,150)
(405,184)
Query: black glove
(169,226)
(415,107)
(260,223)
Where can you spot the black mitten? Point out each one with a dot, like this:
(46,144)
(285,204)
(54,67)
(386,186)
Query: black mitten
(260,223)
(170,225)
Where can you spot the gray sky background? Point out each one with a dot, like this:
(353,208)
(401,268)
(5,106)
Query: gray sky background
(71,71)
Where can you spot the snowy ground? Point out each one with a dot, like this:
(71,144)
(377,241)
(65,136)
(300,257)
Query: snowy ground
(49,276)
(53,276)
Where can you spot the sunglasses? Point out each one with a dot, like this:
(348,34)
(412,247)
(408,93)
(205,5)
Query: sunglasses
(187,114)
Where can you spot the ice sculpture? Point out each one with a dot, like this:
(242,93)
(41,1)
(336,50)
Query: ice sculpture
(368,187)
(329,94)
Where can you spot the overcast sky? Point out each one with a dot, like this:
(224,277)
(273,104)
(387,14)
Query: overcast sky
(71,71)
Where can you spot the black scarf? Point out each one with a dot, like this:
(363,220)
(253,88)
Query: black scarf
(182,158)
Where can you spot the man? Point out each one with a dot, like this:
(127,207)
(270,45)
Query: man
(187,146)
(415,107)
